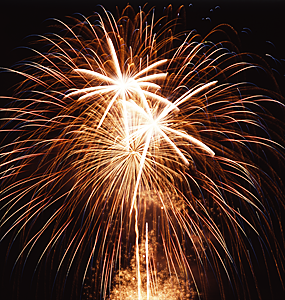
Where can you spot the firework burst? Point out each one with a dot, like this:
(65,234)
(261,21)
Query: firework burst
(123,123)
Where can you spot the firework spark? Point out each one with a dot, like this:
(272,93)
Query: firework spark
(124,123)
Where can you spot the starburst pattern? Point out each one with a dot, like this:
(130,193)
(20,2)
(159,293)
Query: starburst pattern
(124,122)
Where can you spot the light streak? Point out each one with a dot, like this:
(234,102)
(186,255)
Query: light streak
(146,260)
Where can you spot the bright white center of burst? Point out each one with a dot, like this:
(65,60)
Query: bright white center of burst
(123,85)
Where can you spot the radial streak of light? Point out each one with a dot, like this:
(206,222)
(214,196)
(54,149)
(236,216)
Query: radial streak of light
(146,261)
(138,253)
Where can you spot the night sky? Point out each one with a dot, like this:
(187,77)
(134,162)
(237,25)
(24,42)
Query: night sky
(260,25)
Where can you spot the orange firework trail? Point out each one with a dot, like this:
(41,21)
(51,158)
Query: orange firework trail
(124,134)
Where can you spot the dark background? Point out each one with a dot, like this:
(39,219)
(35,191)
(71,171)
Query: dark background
(260,25)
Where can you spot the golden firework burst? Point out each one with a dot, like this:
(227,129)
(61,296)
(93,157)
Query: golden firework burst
(124,123)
